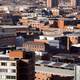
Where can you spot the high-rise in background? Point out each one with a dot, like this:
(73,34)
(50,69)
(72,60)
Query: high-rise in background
(62,3)
(78,2)
(52,3)
(48,3)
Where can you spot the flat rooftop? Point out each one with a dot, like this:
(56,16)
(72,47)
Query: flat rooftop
(66,56)
(8,26)
(76,45)
(54,71)
(59,65)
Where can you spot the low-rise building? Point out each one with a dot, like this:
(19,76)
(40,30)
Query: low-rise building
(51,71)
(7,37)
(35,46)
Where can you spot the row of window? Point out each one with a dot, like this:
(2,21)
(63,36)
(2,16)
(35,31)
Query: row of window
(7,77)
(34,46)
(6,40)
(5,64)
(10,77)
(6,70)
(3,70)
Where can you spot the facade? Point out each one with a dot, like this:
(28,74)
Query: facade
(78,2)
(34,24)
(55,11)
(7,41)
(47,76)
(7,37)
(67,58)
(75,48)
(61,23)
(67,3)
(52,3)
(8,70)
(35,46)
(17,67)
(60,3)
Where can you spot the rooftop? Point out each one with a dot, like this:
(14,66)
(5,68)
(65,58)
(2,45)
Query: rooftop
(66,56)
(59,65)
(76,45)
(8,26)
(35,43)
(55,71)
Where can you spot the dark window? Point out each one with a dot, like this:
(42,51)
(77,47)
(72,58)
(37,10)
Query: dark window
(3,70)
(3,64)
(10,77)
(13,70)
(13,64)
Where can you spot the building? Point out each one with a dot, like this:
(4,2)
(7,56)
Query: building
(35,46)
(55,12)
(61,3)
(17,65)
(66,57)
(75,48)
(6,18)
(61,23)
(7,37)
(67,3)
(78,3)
(34,23)
(52,3)
(47,70)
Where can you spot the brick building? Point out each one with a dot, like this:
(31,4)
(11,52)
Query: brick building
(33,23)
(35,46)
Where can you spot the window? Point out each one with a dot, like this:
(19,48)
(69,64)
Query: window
(10,77)
(3,64)
(13,64)
(13,71)
(3,70)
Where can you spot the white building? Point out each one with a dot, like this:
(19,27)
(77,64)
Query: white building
(7,70)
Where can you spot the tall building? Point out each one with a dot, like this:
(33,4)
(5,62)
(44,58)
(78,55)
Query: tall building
(52,3)
(73,3)
(78,2)
(17,65)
